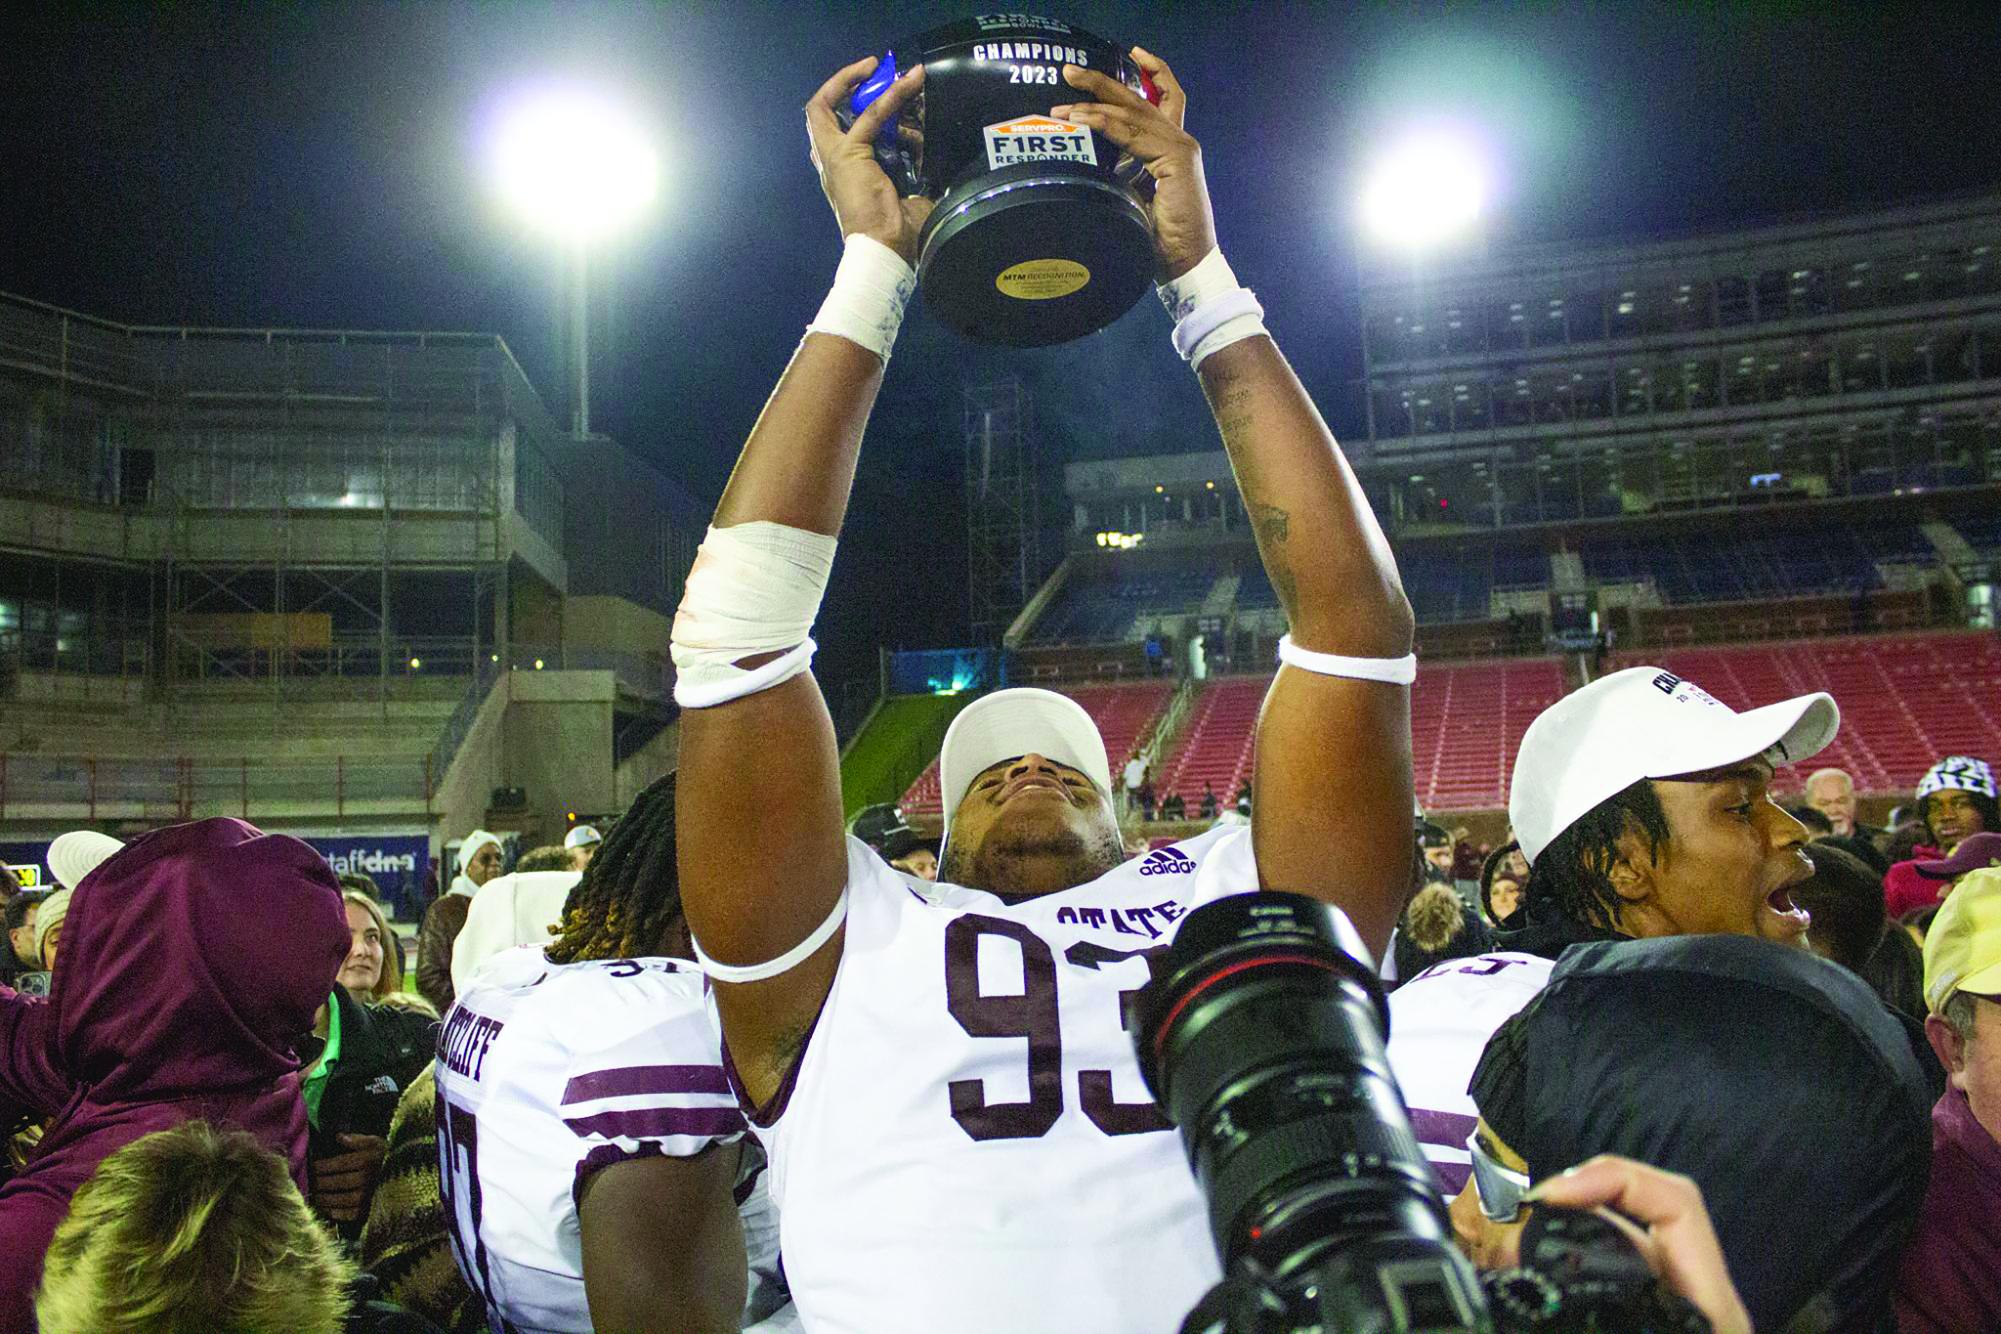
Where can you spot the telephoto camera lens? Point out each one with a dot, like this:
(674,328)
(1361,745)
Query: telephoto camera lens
(1261,1036)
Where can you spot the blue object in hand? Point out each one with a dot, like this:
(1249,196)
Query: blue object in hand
(875,85)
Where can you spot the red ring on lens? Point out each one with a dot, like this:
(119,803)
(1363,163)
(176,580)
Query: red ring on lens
(1239,966)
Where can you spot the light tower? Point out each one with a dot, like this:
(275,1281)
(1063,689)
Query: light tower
(1425,192)
(578,169)
(1004,553)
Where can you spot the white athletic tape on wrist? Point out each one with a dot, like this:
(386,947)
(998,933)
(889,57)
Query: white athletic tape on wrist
(865,305)
(1210,309)
(1393,671)
(784,963)
(755,588)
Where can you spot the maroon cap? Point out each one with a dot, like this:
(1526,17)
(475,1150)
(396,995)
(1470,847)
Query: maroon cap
(1972,854)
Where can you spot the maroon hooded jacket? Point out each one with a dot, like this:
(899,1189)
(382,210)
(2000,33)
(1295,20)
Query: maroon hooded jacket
(190,964)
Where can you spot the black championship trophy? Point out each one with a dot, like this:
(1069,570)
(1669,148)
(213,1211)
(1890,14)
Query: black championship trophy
(1040,233)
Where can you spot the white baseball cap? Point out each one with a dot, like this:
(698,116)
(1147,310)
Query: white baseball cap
(76,854)
(1645,722)
(582,836)
(1011,723)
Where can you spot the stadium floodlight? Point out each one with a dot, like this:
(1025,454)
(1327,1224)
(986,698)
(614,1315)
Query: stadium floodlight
(574,166)
(1425,191)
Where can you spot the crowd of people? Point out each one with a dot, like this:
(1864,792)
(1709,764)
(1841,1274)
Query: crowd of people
(1629,975)
(739,1065)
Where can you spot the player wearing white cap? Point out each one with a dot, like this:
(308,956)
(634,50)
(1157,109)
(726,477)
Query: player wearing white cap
(1643,804)
(960,1138)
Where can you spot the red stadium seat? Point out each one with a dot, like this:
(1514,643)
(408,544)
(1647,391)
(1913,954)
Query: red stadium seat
(1467,721)
(1215,743)
(1905,701)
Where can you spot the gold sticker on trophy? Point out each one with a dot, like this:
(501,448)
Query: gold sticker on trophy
(1042,279)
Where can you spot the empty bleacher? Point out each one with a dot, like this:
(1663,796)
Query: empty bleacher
(1092,612)
(1467,721)
(1454,581)
(1124,714)
(228,749)
(1447,585)
(1748,566)
(1444,583)
(1906,700)
(1521,567)
(1254,592)
(1466,724)
(1982,534)
(1215,741)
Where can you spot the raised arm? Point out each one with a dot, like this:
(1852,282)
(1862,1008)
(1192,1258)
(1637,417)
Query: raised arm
(761,854)
(1332,807)
(636,1280)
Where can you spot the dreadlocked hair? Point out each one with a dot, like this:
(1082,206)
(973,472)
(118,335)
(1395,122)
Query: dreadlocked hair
(1574,872)
(630,896)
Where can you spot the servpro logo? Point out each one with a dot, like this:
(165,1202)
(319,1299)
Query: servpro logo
(1167,861)
(1038,139)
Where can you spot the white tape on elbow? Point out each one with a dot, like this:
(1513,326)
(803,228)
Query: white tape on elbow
(755,589)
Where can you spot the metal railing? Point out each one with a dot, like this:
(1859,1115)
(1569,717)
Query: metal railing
(438,762)
(329,363)
(430,374)
(97,787)
(647,675)
(199,658)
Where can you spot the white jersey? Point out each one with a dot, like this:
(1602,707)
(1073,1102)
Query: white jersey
(966,1143)
(1440,1022)
(547,1073)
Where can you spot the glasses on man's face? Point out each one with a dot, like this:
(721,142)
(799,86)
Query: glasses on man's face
(1500,1188)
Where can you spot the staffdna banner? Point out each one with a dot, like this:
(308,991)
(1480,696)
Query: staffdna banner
(398,863)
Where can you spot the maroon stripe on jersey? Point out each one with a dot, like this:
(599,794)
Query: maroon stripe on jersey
(1452,1177)
(659,1122)
(627,1080)
(1445,1130)
(1448,1130)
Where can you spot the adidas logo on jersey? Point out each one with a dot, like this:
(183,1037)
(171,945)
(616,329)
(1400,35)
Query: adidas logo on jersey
(1167,861)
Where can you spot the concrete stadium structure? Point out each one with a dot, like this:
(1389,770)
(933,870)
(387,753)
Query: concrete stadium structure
(1838,356)
(332,581)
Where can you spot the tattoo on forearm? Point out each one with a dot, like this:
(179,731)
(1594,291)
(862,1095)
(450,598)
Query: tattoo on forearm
(1273,524)
(1285,584)
(1233,414)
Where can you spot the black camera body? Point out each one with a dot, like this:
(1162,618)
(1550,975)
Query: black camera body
(1262,1038)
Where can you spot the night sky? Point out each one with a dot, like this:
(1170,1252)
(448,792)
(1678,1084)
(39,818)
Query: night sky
(318,165)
